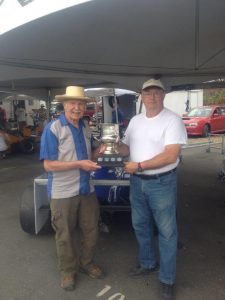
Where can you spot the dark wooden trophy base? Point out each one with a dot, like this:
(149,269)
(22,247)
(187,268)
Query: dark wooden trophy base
(110,160)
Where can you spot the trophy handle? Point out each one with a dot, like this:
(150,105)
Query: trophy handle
(95,138)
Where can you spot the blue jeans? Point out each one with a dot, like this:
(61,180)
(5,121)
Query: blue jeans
(154,201)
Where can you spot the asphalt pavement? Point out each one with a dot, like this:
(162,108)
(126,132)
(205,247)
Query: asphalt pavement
(28,269)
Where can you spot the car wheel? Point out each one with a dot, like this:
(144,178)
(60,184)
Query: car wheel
(206,130)
(27,219)
(27,216)
(27,146)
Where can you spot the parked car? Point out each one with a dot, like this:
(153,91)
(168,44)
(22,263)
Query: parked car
(91,109)
(201,121)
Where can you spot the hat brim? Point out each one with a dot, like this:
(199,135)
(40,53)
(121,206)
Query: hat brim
(153,86)
(63,98)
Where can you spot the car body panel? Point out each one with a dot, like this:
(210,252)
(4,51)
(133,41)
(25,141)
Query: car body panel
(212,116)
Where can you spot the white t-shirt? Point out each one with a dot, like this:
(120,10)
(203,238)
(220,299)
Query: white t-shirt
(147,137)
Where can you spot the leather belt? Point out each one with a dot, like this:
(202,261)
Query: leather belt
(154,176)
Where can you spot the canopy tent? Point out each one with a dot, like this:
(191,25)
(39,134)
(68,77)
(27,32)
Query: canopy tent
(117,44)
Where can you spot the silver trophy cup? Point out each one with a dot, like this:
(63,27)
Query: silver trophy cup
(110,137)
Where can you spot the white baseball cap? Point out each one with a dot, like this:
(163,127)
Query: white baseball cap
(153,82)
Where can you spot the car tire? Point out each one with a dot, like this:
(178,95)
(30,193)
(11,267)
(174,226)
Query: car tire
(27,219)
(27,216)
(27,146)
(206,130)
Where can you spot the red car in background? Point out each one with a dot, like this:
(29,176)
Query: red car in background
(201,121)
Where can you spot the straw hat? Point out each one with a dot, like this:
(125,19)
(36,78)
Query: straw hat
(73,93)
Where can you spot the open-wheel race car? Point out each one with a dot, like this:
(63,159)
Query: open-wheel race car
(112,190)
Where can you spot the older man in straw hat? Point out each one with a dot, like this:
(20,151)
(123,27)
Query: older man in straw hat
(66,153)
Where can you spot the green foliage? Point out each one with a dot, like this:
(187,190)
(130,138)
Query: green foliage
(213,96)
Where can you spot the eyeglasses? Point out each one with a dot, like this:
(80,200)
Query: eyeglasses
(156,93)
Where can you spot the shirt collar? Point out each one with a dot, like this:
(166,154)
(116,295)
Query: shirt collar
(65,122)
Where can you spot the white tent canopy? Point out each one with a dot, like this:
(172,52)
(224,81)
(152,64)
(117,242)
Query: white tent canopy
(117,44)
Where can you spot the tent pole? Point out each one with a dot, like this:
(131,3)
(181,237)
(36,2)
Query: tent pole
(197,8)
(115,106)
(49,104)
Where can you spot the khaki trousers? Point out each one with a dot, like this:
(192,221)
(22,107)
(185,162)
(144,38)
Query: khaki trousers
(66,214)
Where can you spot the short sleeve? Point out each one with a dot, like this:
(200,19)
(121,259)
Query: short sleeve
(176,132)
(49,144)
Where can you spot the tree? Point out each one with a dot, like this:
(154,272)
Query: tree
(213,96)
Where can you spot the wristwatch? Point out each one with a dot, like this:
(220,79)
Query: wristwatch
(139,169)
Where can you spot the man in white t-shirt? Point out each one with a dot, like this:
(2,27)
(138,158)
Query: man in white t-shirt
(153,141)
